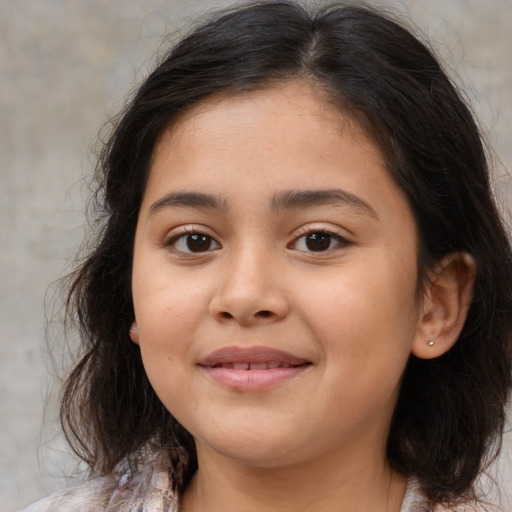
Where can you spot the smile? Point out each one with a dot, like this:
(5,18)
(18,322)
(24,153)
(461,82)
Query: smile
(255,366)
(252,368)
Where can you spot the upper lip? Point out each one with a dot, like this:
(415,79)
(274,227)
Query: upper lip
(256,354)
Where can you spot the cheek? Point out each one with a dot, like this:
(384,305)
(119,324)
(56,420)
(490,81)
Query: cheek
(164,299)
(363,311)
(168,312)
(166,321)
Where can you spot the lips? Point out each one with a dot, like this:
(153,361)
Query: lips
(252,368)
(251,358)
(255,366)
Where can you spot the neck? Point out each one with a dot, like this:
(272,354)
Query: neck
(221,484)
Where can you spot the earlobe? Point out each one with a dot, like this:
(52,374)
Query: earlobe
(134,334)
(446,304)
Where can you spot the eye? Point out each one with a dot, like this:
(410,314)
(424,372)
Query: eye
(319,241)
(192,243)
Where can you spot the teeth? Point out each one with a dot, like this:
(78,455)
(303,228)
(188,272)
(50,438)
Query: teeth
(270,365)
(259,366)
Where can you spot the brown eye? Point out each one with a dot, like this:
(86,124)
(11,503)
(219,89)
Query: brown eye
(193,243)
(198,242)
(319,241)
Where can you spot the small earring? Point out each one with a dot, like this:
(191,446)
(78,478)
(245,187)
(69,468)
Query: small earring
(134,335)
(431,343)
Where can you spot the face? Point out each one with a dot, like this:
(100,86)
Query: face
(274,279)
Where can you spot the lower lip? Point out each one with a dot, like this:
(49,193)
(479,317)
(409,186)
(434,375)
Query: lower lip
(253,380)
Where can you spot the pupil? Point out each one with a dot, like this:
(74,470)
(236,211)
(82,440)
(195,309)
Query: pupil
(318,241)
(198,243)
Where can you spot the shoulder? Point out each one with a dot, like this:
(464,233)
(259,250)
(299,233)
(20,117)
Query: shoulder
(92,496)
(415,501)
(470,507)
(465,508)
(122,491)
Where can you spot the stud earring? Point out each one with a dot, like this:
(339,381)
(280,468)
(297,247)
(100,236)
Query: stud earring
(431,343)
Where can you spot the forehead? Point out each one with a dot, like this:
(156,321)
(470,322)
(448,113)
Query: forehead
(293,118)
(265,142)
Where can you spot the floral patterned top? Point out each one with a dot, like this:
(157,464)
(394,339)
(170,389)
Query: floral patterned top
(149,491)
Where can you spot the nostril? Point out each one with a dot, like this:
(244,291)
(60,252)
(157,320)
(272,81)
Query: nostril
(263,313)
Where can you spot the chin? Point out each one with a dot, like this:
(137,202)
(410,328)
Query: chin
(256,449)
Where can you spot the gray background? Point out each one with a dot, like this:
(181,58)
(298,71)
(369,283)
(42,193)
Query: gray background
(65,66)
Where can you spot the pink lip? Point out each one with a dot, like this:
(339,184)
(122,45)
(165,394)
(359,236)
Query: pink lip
(281,366)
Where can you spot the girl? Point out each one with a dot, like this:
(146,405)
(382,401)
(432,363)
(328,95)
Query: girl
(300,296)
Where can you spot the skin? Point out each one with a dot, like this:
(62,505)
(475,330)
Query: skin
(352,310)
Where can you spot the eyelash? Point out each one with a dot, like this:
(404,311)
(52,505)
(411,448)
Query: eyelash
(174,239)
(188,232)
(341,242)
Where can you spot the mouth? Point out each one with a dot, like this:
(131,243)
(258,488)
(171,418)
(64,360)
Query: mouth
(270,365)
(252,368)
(251,358)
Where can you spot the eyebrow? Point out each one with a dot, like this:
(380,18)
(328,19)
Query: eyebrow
(288,200)
(296,199)
(190,200)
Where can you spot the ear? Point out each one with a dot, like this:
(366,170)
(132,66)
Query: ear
(134,333)
(446,302)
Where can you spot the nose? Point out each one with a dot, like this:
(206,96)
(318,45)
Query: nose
(250,290)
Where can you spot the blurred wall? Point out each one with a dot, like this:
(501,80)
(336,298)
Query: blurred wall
(64,68)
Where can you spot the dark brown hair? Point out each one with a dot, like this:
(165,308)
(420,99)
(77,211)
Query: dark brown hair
(450,413)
